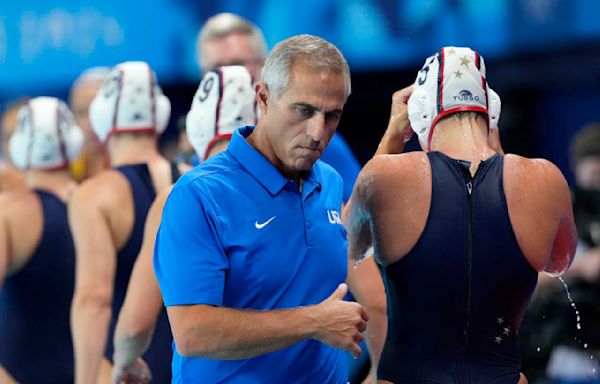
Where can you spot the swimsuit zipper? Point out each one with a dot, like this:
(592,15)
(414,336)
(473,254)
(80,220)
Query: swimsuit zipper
(469,186)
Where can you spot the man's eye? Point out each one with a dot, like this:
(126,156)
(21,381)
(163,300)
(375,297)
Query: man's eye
(332,117)
(304,111)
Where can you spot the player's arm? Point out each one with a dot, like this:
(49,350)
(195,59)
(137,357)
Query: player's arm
(4,245)
(366,285)
(565,239)
(5,377)
(94,277)
(355,213)
(143,302)
(4,250)
(540,206)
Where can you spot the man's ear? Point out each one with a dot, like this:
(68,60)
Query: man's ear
(262,96)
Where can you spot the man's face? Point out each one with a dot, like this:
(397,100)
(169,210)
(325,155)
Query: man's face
(300,123)
(81,98)
(232,49)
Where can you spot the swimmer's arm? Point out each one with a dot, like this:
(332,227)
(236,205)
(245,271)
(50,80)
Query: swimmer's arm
(94,276)
(355,213)
(366,285)
(398,131)
(4,249)
(143,301)
(565,241)
(5,377)
(229,334)
(356,216)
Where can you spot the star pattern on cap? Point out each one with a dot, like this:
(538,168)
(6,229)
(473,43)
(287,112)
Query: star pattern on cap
(506,331)
(458,74)
(451,51)
(498,339)
(500,320)
(464,61)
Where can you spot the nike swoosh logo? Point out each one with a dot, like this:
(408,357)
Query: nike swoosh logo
(262,225)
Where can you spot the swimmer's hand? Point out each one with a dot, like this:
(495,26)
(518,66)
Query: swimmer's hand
(136,373)
(398,130)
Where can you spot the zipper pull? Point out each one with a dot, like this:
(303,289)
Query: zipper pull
(469,187)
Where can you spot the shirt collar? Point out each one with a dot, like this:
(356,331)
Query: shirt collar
(260,168)
(254,162)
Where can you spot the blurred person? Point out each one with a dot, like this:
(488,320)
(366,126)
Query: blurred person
(37,256)
(585,160)
(460,229)
(229,39)
(93,158)
(108,211)
(10,176)
(251,255)
(223,102)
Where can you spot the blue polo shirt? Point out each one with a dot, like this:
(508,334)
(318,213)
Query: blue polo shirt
(236,233)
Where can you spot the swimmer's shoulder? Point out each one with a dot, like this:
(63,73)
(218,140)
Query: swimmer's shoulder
(525,175)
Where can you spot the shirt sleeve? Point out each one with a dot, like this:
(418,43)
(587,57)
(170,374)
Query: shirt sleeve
(189,260)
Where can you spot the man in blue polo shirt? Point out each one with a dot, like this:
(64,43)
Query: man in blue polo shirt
(251,253)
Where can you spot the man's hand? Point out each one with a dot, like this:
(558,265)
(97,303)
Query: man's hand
(136,373)
(341,322)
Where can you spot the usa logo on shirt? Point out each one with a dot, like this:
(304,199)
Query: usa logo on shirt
(334,216)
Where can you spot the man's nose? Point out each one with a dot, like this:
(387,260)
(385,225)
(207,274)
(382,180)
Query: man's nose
(316,127)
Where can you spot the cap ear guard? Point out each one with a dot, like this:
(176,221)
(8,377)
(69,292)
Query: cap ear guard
(46,136)
(494,108)
(163,110)
(419,112)
(19,145)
